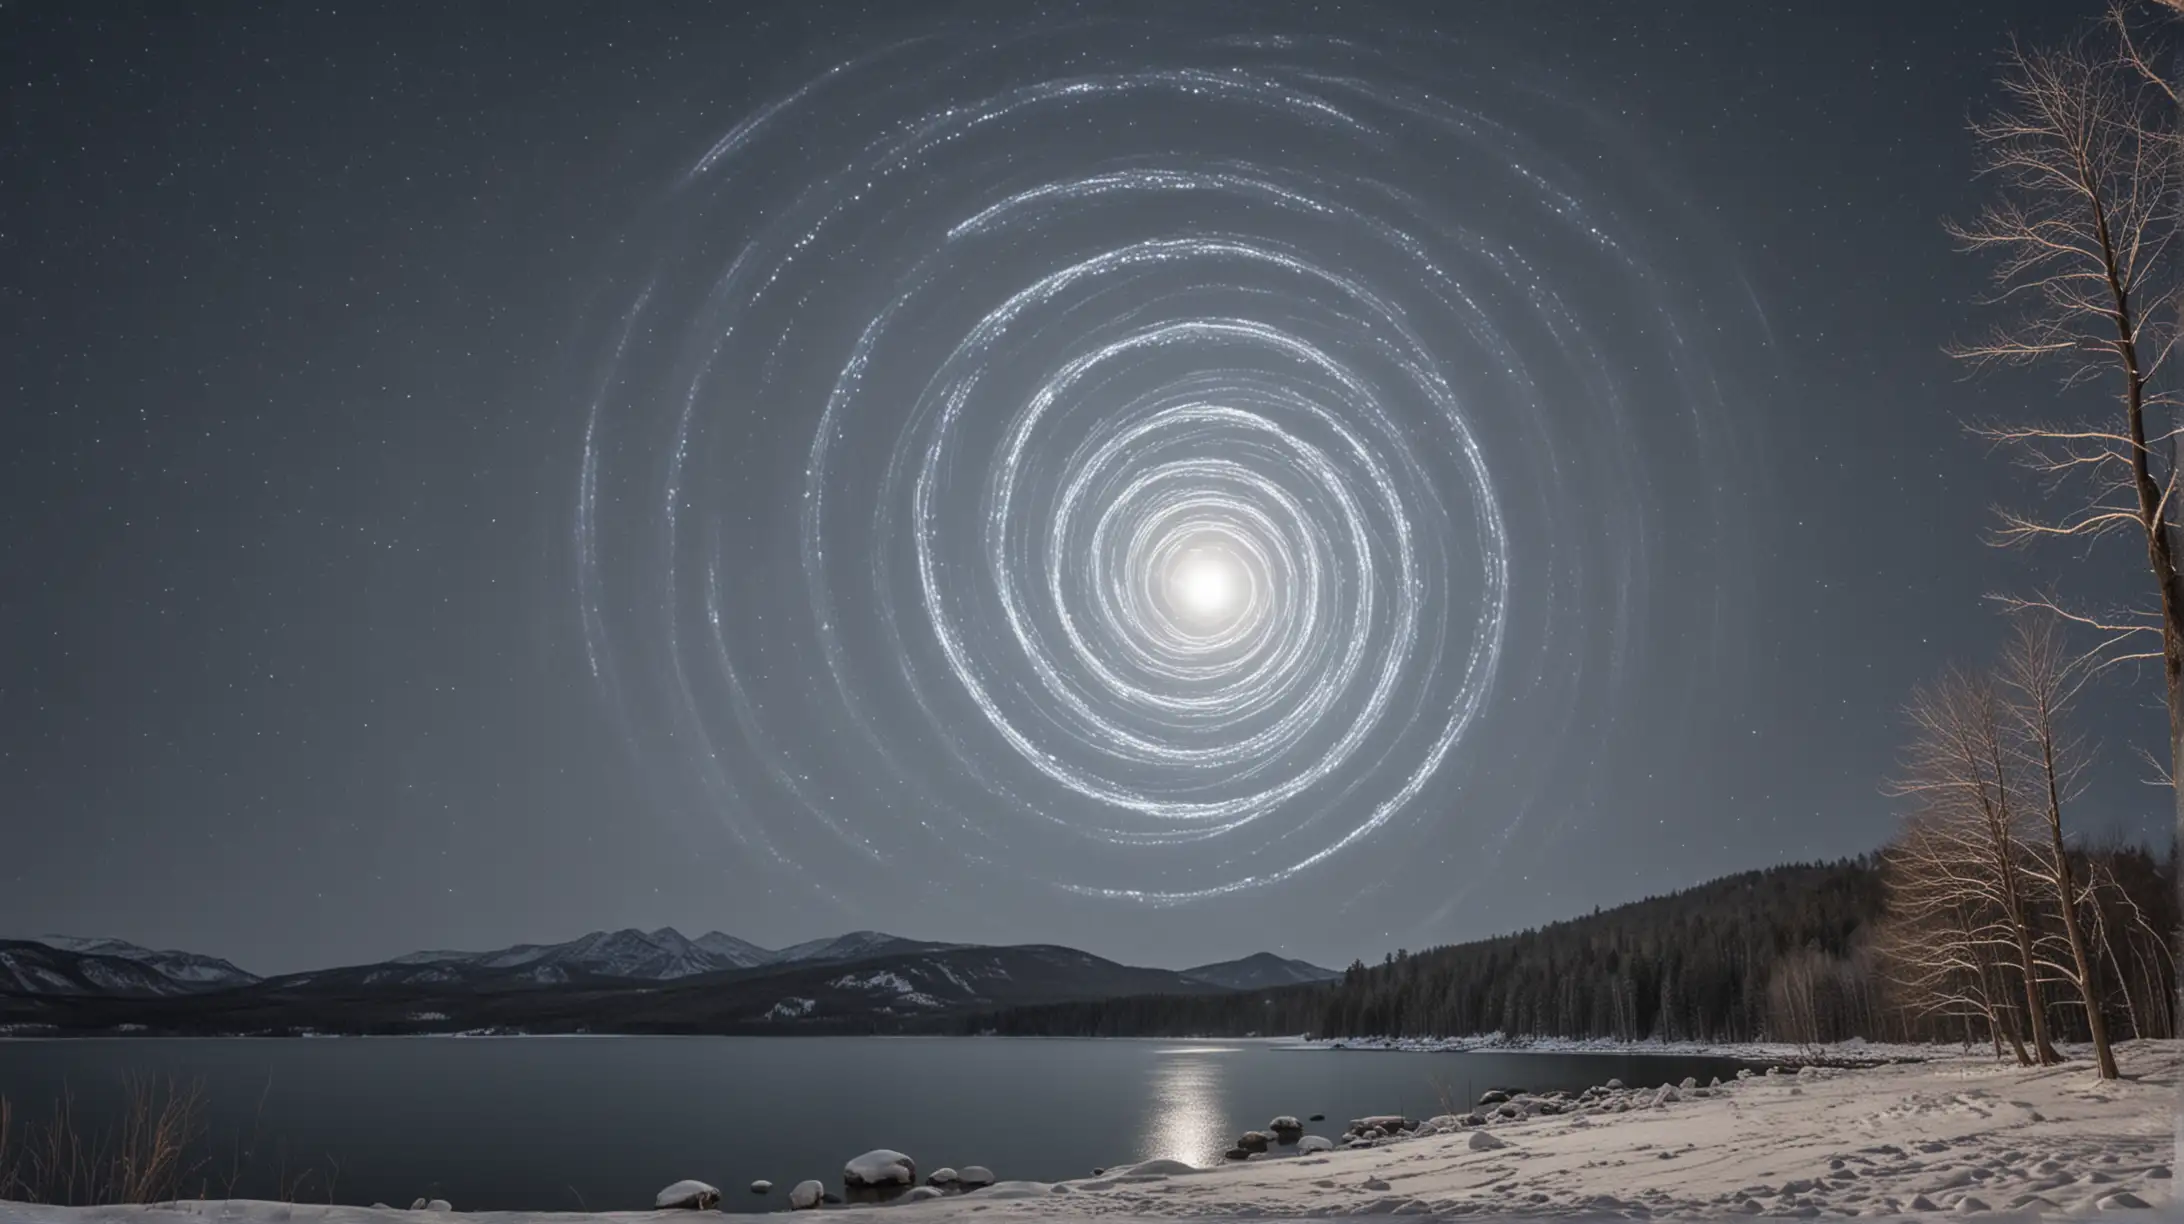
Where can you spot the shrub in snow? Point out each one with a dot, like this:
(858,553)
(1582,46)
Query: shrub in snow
(974,1176)
(687,1195)
(807,1195)
(1484,1141)
(880,1167)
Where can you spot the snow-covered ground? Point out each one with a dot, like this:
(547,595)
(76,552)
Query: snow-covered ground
(1854,1052)
(1906,1140)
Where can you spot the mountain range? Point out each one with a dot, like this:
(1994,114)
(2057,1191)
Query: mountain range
(605,981)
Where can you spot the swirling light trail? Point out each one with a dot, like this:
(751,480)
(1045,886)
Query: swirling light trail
(1149,531)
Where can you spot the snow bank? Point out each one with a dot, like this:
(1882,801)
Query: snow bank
(1854,1052)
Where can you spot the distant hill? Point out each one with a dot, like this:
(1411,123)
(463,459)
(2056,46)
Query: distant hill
(69,965)
(896,991)
(653,956)
(1259,971)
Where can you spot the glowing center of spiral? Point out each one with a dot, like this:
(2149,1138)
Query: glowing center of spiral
(1207,585)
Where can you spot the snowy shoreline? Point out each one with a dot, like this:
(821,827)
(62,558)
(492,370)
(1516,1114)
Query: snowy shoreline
(1904,1140)
(1856,1052)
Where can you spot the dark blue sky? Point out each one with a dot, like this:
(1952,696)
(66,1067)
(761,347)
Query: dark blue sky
(314,650)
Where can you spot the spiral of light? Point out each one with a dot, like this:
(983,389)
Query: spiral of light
(1150,513)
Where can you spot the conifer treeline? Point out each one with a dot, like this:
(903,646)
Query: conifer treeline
(1783,954)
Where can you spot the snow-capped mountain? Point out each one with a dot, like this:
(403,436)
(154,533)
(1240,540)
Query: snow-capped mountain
(857,945)
(192,969)
(1259,971)
(70,965)
(741,953)
(656,956)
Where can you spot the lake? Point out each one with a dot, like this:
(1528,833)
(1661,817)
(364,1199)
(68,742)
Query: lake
(603,1122)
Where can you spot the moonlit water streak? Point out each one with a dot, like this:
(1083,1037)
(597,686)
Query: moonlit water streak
(1152,473)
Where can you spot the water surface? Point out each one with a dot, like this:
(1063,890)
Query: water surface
(603,1122)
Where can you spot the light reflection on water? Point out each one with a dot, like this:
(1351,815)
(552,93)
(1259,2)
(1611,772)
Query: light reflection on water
(1186,1122)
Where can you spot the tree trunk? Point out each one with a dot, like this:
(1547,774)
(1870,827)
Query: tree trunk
(2089,967)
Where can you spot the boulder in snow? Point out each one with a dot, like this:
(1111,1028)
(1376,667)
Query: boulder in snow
(942,1177)
(1372,1183)
(1017,1189)
(687,1195)
(2121,1200)
(974,1176)
(762,1186)
(1286,1128)
(1689,1082)
(1615,1085)
(880,1167)
(1315,1143)
(1665,1095)
(807,1195)
(1252,1141)
(439,1205)
(1967,1205)
(1493,1096)
(1485,1141)
(922,1193)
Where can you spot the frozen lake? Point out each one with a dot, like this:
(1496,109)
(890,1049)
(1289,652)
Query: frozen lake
(604,1122)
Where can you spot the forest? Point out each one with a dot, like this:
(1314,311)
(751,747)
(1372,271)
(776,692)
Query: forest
(1792,953)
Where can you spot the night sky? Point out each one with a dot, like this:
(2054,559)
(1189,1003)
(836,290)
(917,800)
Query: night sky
(1169,479)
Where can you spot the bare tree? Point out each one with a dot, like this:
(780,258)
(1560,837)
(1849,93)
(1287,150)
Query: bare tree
(1938,940)
(2082,152)
(2040,679)
(1961,774)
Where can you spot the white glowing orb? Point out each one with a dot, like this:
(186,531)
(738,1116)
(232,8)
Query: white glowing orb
(1207,585)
